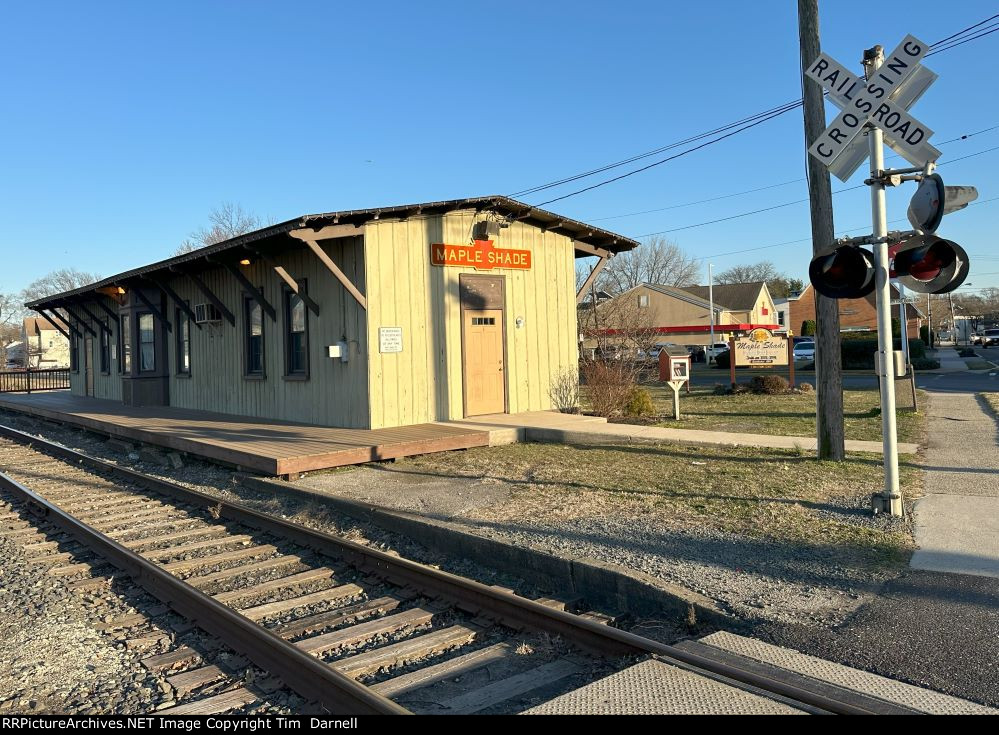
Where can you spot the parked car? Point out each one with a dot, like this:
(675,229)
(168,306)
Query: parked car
(653,353)
(713,350)
(989,337)
(696,353)
(804,351)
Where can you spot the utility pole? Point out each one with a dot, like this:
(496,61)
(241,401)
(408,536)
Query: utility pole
(929,323)
(711,310)
(828,364)
(890,499)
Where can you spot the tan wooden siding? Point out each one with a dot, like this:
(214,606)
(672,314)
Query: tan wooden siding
(335,393)
(424,381)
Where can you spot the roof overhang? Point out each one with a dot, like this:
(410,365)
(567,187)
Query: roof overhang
(587,240)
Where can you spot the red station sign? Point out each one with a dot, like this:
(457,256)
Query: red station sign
(481,256)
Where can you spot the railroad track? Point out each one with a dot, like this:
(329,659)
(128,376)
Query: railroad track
(349,628)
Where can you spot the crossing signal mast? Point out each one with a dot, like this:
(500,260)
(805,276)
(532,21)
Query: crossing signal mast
(917,259)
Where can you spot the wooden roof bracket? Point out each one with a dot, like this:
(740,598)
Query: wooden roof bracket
(311,239)
(79,322)
(54,321)
(211,297)
(107,309)
(582,247)
(172,295)
(250,288)
(100,322)
(590,279)
(291,282)
(153,308)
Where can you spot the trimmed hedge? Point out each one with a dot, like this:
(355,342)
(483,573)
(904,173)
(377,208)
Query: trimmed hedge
(859,353)
(856,353)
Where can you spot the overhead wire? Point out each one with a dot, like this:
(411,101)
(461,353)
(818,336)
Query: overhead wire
(956,39)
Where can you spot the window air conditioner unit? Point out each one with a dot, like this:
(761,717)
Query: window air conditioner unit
(206,313)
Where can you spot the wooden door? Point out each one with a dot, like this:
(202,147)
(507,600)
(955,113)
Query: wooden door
(88,363)
(482,361)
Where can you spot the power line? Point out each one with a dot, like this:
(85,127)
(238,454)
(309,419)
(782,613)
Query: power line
(809,239)
(770,186)
(780,112)
(786,204)
(750,122)
(647,154)
(700,201)
(963,31)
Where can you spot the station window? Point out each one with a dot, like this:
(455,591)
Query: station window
(253,320)
(643,301)
(74,353)
(183,322)
(296,325)
(125,365)
(481,321)
(105,351)
(147,343)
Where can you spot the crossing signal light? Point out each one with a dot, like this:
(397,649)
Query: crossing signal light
(930,264)
(845,273)
(933,200)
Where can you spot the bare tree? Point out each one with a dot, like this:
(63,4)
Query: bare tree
(65,279)
(657,261)
(779,284)
(11,314)
(620,323)
(226,221)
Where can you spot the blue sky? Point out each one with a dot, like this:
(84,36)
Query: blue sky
(124,124)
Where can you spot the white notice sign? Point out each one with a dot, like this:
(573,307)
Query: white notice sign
(390,339)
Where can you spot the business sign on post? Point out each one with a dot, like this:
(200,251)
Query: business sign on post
(760,348)
(482,256)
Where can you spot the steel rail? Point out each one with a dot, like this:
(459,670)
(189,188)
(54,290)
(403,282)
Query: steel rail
(474,597)
(305,674)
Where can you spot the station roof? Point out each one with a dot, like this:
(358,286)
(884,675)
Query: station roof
(580,232)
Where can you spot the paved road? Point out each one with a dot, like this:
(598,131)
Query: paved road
(963,382)
(930,629)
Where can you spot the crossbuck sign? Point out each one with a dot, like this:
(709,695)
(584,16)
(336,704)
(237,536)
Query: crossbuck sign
(882,100)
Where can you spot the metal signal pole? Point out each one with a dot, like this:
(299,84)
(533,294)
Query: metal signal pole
(890,499)
(828,364)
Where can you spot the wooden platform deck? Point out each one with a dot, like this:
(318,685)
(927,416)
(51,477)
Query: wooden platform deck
(268,447)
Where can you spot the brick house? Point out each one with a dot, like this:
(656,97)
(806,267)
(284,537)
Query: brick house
(855,315)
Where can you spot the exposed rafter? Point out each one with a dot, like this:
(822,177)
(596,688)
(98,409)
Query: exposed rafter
(107,310)
(250,289)
(582,247)
(581,294)
(97,320)
(54,321)
(79,321)
(310,239)
(153,308)
(212,297)
(291,282)
(177,300)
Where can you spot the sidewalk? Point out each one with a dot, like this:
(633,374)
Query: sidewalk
(957,522)
(949,361)
(575,429)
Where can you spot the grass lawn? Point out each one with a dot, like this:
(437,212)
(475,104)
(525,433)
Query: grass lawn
(771,494)
(792,414)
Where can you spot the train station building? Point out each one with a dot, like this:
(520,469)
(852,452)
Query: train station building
(362,319)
